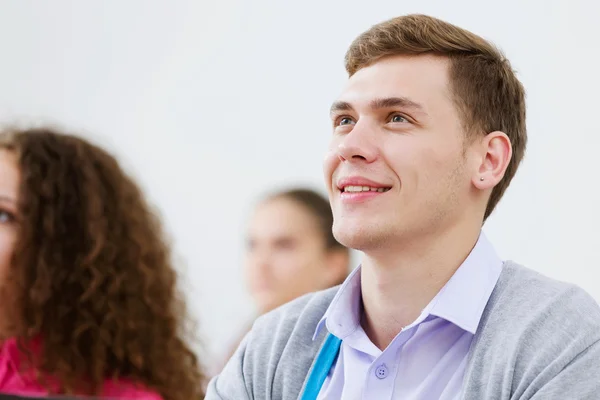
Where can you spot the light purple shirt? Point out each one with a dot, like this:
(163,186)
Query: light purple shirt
(427,359)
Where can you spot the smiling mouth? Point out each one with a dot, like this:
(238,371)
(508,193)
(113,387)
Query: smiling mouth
(359,189)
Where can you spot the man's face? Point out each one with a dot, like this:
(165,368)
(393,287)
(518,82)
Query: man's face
(396,168)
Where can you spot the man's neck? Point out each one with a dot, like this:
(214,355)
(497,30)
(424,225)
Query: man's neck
(397,285)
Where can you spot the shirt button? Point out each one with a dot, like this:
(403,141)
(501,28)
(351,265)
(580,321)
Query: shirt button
(381,372)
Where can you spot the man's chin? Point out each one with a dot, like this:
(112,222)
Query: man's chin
(361,238)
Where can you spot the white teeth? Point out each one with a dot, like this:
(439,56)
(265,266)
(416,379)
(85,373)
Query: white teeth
(356,189)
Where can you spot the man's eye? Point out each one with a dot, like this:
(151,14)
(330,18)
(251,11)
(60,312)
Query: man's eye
(398,118)
(345,121)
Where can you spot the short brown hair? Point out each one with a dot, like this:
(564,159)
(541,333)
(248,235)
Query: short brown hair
(485,89)
(92,274)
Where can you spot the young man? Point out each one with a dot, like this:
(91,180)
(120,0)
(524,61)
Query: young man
(427,135)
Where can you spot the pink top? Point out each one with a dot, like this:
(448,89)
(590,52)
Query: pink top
(22,383)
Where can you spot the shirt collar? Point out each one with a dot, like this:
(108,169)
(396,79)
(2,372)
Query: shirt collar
(464,297)
(343,314)
(461,301)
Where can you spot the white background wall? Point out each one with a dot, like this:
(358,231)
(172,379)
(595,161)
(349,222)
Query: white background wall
(209,103)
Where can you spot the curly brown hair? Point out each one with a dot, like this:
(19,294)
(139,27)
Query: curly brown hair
(93,272)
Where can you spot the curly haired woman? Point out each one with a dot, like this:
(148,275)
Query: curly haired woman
(88,293)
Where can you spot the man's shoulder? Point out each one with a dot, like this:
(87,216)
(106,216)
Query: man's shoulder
(303,313)
(532,321)
(527,295)
(533,327)
(276,355)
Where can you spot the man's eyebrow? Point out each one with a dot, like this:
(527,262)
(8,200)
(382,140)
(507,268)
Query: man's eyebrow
(340,106)
(388,102)
(376,104)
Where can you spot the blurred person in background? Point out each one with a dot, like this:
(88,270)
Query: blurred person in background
(89,296)
(291,250)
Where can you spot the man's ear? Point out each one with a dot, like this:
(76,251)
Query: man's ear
(496,152)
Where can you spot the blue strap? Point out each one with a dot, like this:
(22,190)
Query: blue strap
(320,370)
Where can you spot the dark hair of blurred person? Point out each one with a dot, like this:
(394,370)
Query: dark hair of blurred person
(89,296)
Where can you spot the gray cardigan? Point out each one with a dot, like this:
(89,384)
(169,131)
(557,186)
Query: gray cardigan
(538,339)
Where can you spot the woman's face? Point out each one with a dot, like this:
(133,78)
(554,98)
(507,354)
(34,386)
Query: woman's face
(9,188)
(286,255)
